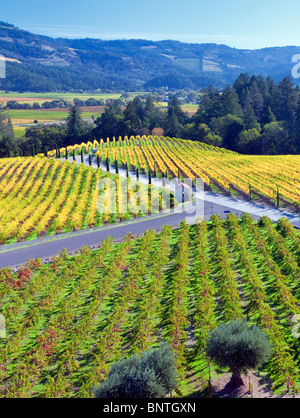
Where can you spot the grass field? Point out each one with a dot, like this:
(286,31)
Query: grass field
(22,100)
(54,96)
(21,116)
(190,108)
(19,131)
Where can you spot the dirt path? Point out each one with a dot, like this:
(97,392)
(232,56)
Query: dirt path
(261,388)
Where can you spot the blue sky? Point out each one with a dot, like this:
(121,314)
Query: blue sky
(245,24)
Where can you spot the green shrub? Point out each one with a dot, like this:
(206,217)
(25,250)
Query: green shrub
(151,375)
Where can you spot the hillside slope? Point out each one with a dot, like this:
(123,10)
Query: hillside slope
(40,63)
(272,178)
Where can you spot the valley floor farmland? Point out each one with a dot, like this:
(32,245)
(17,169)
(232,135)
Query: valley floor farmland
(52,96)
(69,320)
(25,116)
(19,117)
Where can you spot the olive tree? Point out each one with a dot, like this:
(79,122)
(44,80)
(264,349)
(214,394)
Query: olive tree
(239,347)
(150,375)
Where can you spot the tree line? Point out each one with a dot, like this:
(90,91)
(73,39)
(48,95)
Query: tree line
(54,104)
(253,116)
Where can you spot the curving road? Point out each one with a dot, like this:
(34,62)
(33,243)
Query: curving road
(208,203)
(17,254)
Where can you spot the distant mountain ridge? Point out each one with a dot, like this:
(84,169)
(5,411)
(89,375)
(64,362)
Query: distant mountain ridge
(40,63)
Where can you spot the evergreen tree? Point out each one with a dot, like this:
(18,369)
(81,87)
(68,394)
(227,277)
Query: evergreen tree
(286,101)
(8,145)
(241,86)
(175,108)
(111,122)
(172,126)
(151,114)
(264,89)
(211,101)
(131,119)
(254,99)
(75,125)
(9,131)
(200,116)
(257,100)
(297,127)
(268,116)
(230,102)
(139,106)
(250,119)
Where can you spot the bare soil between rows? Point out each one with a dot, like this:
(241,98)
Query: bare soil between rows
(261,388)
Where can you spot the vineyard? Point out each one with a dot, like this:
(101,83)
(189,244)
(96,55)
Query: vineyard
(48,195)
(68,320)
(273,179)
(45,196)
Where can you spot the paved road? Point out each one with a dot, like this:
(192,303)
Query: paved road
(208,203)
(17,254)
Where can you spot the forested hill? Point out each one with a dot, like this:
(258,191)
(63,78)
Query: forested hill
(40,63)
